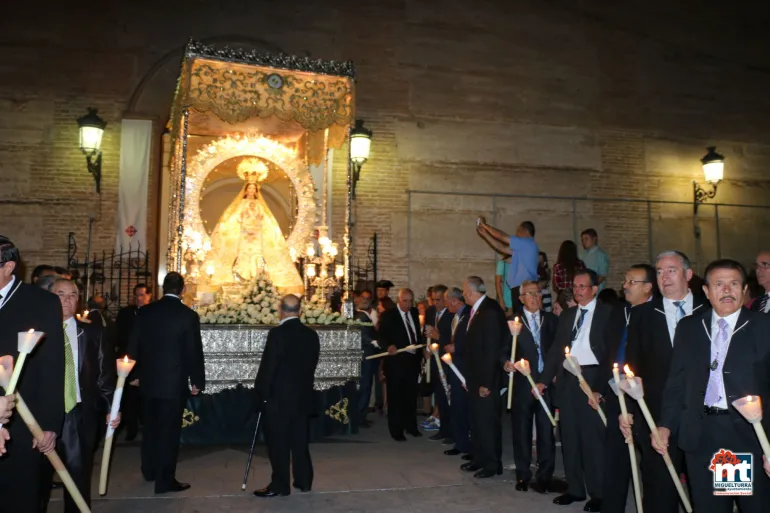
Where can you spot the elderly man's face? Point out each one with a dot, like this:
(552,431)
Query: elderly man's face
(142,297)
(763,269)
(582,289)
(68,295)
(725,290)
(405,301)
(672,277)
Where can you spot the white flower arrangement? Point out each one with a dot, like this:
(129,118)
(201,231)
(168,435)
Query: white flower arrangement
(259,305)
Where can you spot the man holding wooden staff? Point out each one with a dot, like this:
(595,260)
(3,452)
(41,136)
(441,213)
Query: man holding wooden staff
(24,307)
(720,355)
(649,352)
(534,342)
(582,329)
(89,384)
(399,328)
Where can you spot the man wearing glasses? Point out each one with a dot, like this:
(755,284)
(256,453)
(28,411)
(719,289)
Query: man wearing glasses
(649,351)
(583,329)
(762,304)
(639,287)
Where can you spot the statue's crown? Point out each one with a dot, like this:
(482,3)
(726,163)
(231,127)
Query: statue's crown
(252,170)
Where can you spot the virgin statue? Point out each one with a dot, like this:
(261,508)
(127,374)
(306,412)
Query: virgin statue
(247,240)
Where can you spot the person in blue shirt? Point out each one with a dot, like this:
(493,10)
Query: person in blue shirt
(523,250)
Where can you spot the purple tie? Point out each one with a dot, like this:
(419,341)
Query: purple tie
(714,389)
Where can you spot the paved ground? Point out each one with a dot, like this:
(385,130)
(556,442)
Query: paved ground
(368,473)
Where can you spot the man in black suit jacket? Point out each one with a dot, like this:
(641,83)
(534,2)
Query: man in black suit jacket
(24,307)
(458,348)
(583,329)
(284,387)
(399,328)
(762,303)
(648,354)
(89,399)
(534,342)
(166,344)
(487,334)
(638,288)
(719,356)
(438,330)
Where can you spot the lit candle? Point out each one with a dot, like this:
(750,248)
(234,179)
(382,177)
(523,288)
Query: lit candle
(422,320)
(339,270)
(448,360)
(441,375)
(629,376)
(523,367)
(515,327)
(124,369)
(310,250)
(26,342)
(631,449)
(751,409)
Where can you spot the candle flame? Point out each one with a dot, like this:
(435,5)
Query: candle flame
(522,361)
(566,350)
(749,398)
(85,313)
(447,358)
(615,365)
(516,319)
(434,346)
(628,372)
(31,331)
(125,359)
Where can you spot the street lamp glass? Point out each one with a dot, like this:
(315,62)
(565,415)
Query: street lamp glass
(713,166)
(91,132)
(360,143)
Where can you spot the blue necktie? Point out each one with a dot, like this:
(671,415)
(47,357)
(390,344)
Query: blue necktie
(680,313)
(536,336)
(581,318)
(621,359)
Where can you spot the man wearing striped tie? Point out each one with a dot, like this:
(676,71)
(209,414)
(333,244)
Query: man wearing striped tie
(762,265)
(89,384)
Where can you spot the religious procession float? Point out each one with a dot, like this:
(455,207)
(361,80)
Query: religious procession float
(251,153)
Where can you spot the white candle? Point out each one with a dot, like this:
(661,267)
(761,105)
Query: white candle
(448,360)
(124,366)
(629,376)
(515,326)
(631,449)
(27,340)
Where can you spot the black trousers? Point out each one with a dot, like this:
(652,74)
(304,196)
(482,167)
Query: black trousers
(524,410)
(76,448)
(287,443)
(21,472)
(582,437)
(719,432)
(660,494)
(401,382)
(486,428)
(368,376)
(617,462)
(444,410)
(130,410)
(160,439)
(460,414)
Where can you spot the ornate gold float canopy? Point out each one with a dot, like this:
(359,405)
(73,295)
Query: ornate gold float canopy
(306,105)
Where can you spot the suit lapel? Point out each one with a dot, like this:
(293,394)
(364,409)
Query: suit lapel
(81,346)
(740,341)
(571,314)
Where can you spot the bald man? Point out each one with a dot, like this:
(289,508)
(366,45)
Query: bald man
(284,389)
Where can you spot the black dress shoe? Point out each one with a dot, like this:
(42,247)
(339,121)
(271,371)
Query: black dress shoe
(452,452)
(469,467)
(521,485)
(415,434)
(436,437)
(176,486)
(593,506)
(485,473)
(448,441)
(539,487)
(267,493)
(567,499)
(468,457)
(399,438)
(300,488)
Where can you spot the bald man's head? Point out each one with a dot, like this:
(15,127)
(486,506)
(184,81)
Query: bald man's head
(290,306)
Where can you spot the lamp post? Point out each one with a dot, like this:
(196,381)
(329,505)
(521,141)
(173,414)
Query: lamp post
(713,172)
(91,131)
(360,144)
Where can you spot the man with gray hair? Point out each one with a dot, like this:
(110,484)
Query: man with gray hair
(458,348)
(649,351)
(284,387)
(487,334)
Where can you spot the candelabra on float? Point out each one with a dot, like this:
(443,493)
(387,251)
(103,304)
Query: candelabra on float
(317,265)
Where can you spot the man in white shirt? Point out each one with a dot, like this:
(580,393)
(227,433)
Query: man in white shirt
(719,356)
(583,329)
(762,303)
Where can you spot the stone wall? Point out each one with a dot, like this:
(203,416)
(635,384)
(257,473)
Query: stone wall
(513,107)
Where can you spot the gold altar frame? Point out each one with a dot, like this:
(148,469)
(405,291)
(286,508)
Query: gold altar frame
(236,86)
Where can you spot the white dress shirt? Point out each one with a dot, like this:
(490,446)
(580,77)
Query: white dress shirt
(533,318)
(732,320)
(767,306)
(670,308)
(581,346)
(71,328)
(5,291)
(285,319)
(406,317)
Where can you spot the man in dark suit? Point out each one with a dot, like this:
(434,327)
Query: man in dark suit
(487,334)
(762,303)
(89,384)
(458,348)
(24,307)
(648,354)
(583,329)
(124,326)
(534,342)
(284,387)
(399,328)
(438,330)
(369,346)
(719,356)
(638,288)
(166,344)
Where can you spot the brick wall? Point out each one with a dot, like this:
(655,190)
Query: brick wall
(539,99)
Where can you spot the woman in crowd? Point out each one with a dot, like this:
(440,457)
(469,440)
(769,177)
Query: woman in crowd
(544,280)
(566,264)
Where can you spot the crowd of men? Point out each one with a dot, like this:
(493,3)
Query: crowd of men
(696,348)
